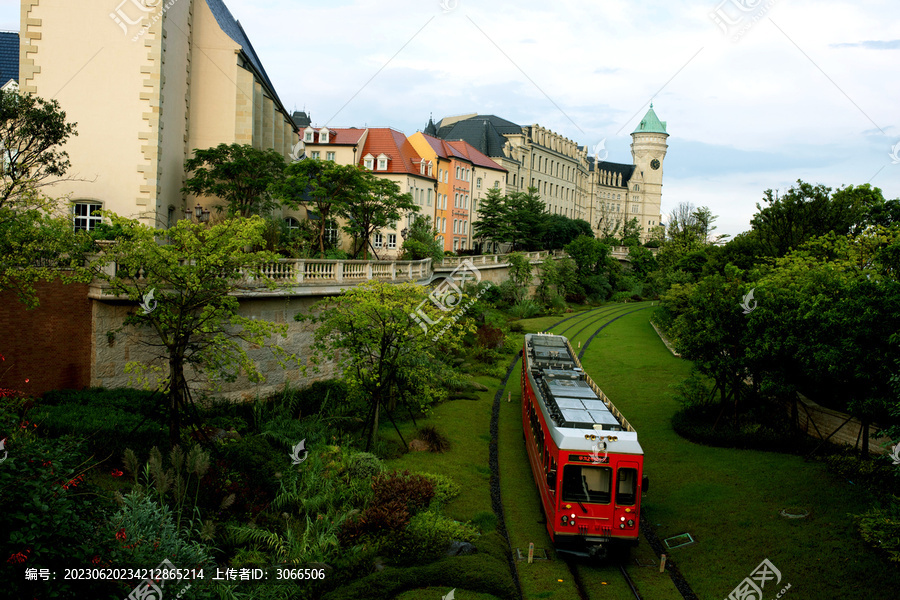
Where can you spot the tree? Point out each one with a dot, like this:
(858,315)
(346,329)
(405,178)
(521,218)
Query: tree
(36,235)
(423,241)
(189,284)
(384,351)
(493,219)
(631,233)
(806,211)
(32,132)
(379,204)
(526,218)
(327,186)
(239,174)
(560,230)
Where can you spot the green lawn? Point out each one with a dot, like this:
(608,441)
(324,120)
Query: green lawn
(729,500)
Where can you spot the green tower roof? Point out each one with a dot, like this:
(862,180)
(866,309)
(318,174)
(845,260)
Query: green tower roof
(651,123)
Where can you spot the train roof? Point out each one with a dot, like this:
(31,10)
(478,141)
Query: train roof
(575,409)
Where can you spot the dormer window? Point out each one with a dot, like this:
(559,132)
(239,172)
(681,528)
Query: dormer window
(382,162)
(368,161)
(422,167)
(323,135)
(430,169)
(308,134)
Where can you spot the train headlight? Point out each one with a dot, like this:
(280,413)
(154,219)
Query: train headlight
(565,519)
(621,525)
(572,517)
(621,518)
(631,522)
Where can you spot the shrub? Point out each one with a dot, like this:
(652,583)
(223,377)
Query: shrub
(445,489)
(427,537)
(525,309)
(364,465)
(436,441)
(110,420)
(516,327)
(486,520)
(489,337)
(880,527)
(698,425)
(258,460)
(621,297)
(411,490)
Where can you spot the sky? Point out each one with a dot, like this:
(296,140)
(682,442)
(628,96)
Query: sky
(756,93)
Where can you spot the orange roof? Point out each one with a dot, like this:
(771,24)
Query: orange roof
(443,149)
(473,155)
(402,157)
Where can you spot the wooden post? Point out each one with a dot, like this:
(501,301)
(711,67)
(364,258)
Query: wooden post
(662,563)
(530,552)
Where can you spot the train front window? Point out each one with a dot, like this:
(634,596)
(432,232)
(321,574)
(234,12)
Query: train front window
(626,486)
(586,484)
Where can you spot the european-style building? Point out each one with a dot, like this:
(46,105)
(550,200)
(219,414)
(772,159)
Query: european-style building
(147,83)
(569,180)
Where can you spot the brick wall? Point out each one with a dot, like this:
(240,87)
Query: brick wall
(50,345)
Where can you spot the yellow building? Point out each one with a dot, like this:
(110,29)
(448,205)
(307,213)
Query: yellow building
(146,87)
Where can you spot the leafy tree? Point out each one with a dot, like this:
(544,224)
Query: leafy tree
(384,351)
(492,224)
(36,235)
(239,174)
(588,253)
(642,260)
(806,211)
(323,184)
(423,241)
(560,230)
(379,205)
(631,233)
(32,132)
(191,280)
(520,273)
(526,218)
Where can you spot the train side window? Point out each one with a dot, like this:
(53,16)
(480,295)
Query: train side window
(551,476)
(587,484)
(626,486)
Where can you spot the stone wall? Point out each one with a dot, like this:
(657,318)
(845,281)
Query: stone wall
(113,351)
(820,422)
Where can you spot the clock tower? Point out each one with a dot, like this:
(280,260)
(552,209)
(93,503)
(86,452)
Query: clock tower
(648,150)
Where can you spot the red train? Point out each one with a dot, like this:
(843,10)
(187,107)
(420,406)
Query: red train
(585,457)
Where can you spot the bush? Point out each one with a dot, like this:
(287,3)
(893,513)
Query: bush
(364,465)
(427,538)
(697,424)
(111,420)
(50,517)
(445,489)
(489,337)
(621,297)
(258,460)
(525,309)
(436,441)
(516,327)
(880,527)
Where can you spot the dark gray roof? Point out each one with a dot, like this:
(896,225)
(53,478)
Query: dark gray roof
(301,119)
(9,56)
(233,29)
(431,128)
(482,132)
(626,170)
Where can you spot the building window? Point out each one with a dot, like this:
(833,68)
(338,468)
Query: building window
(392,241)
(457,172)
(455,245)
(462,244)
(637,188)
(478,183)
(497,183)
(308,135)
(292,224)
(329,156)
(84,215)
(331,232)
(368,161)
(315,155)
(635,208)
(429,197)
(323,136)
(378,240)
(382,164)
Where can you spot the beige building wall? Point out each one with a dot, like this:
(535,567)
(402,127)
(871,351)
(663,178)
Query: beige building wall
(146,86)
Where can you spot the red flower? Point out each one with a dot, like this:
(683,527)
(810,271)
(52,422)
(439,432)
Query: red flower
(19,557)
(96,560)
(116,473)
(121,535)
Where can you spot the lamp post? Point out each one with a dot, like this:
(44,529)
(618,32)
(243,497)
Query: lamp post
(200,213)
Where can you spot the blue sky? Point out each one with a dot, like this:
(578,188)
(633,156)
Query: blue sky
(798,89)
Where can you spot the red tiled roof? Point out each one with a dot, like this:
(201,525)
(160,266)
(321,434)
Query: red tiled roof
(475,156)
(338,136)
(403,158)
(443,149)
